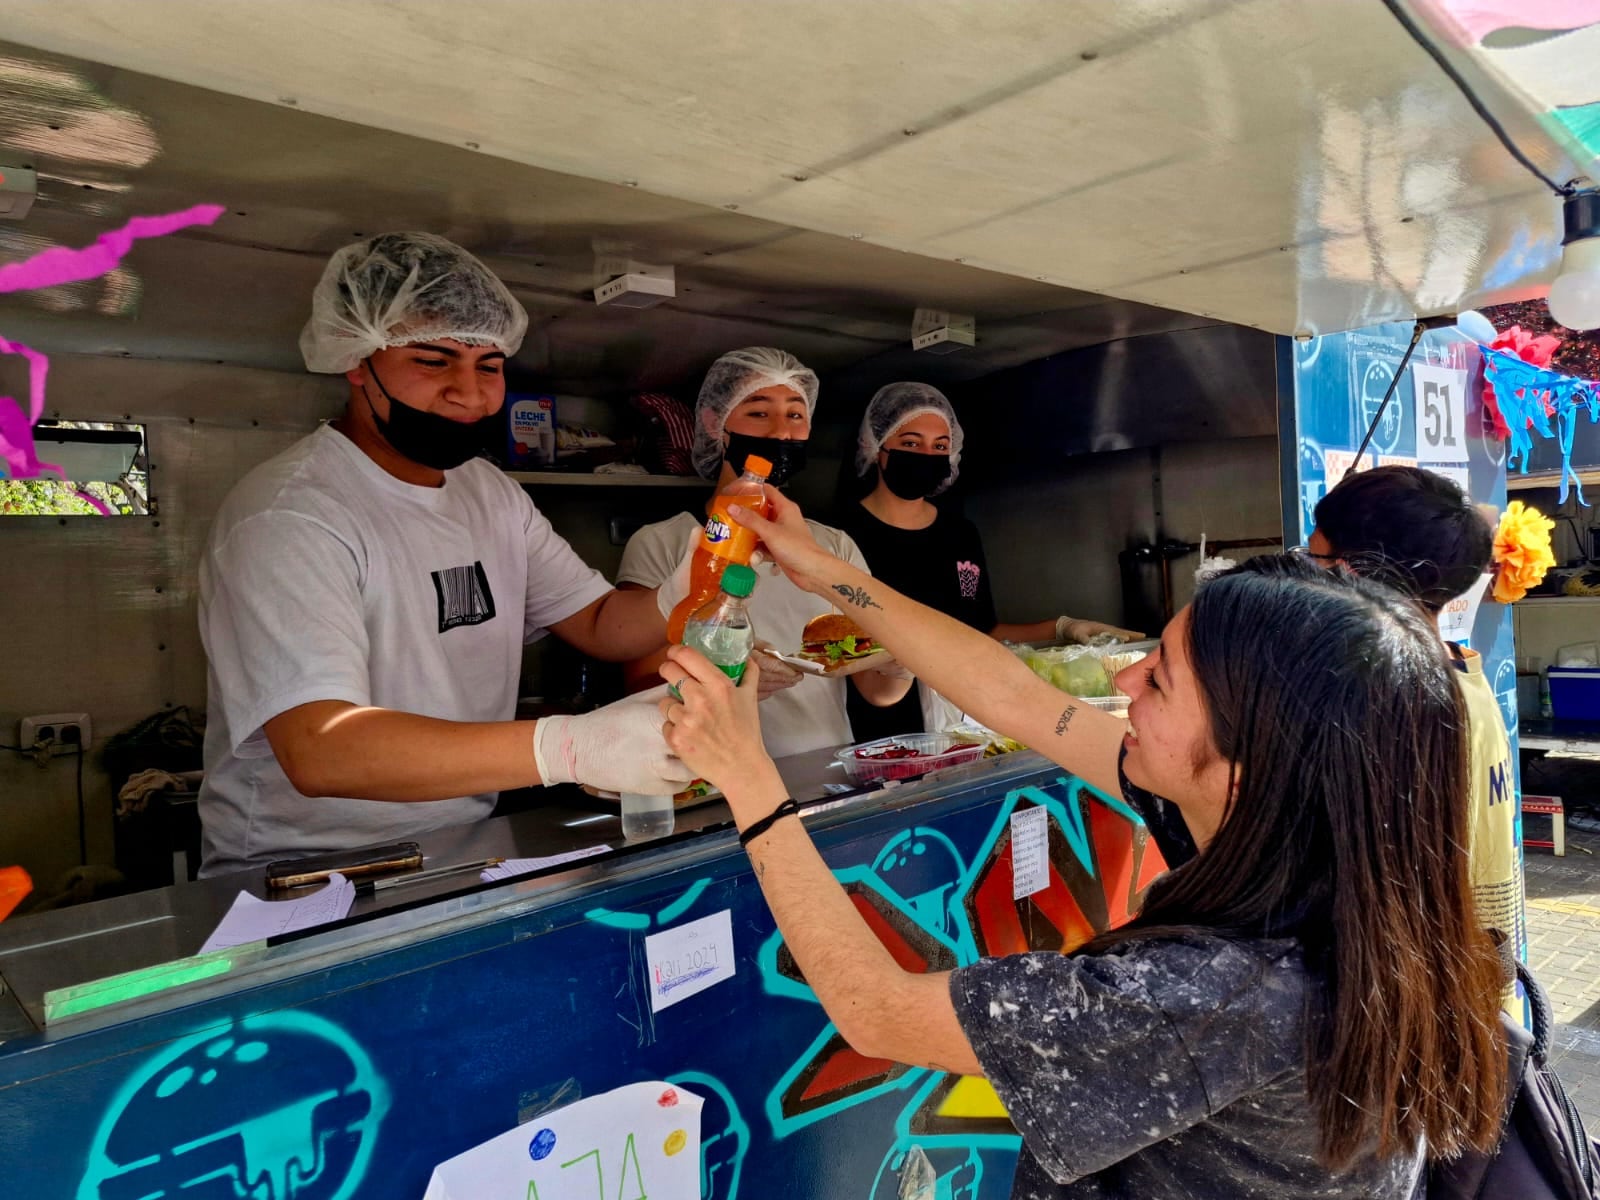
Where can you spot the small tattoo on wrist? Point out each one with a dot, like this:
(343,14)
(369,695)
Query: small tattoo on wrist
(1065,719)
(856,596)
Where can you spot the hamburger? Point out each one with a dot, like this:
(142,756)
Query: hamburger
(834,638)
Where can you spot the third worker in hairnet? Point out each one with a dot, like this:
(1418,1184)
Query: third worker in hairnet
(909,448)
(760,401)
(365,595)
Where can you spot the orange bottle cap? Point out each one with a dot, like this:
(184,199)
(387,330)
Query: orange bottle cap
(754,462)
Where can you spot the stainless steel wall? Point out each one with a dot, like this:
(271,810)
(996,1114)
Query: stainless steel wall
(99,615)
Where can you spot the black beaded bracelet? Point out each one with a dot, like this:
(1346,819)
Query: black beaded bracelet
(788,808)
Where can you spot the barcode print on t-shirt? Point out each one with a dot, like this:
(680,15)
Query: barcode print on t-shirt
(464,596)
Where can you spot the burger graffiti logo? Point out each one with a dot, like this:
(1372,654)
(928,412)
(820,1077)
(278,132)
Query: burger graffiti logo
(281,1106)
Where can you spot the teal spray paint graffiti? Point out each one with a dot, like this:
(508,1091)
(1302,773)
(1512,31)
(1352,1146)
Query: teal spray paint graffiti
(280,1106)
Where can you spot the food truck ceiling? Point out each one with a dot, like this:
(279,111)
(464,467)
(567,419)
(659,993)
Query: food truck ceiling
(1277,164)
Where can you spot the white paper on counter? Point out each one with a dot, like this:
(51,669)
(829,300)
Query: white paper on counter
(639,1140)
(521,866)
(252,919)
(1030,851)
(687,959)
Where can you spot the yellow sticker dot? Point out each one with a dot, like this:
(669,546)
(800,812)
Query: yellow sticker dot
(676,1140)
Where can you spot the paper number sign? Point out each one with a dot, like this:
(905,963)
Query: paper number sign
(1441,400)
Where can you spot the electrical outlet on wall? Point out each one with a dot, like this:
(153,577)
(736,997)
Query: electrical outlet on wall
(63,732)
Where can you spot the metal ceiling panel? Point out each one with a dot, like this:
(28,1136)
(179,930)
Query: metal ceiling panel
(1199,154)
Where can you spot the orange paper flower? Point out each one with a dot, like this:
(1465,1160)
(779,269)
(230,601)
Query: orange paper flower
(1521,551)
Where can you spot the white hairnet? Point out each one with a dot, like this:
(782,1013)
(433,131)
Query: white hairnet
(892,407)
(397,289)
(731,379)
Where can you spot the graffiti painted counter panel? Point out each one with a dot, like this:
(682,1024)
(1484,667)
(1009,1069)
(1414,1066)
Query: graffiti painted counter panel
(353,1080)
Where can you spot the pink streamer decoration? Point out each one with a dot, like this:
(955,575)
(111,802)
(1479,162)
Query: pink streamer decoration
(94,502)
(63,265)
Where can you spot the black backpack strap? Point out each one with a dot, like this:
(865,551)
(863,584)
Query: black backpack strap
(1539,1005)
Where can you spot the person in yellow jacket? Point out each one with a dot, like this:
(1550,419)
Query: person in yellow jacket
(1420,533)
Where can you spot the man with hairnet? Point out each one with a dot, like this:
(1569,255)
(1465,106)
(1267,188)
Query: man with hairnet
(365,595)
(759,401)
(909,446)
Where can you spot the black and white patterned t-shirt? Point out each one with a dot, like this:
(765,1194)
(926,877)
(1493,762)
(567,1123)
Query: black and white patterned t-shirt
(1163,1070)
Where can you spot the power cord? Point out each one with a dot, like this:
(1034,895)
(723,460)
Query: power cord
(1466,91)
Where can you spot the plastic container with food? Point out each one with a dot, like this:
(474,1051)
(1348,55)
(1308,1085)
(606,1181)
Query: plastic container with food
(906,756)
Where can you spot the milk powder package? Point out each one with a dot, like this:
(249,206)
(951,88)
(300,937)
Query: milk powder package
(530,431)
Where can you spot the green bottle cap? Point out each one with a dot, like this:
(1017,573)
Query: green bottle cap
(738,579)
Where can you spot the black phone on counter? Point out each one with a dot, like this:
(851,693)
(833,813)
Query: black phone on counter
(352,864)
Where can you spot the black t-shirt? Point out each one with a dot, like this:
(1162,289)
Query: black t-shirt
(941,566)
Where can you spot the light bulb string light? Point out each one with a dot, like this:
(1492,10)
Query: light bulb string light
(1560,189)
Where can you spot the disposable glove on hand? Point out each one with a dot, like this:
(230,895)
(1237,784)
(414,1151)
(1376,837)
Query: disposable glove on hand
(618,748)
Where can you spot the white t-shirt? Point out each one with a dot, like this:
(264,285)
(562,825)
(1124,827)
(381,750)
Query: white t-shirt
(809,715)
(326,578)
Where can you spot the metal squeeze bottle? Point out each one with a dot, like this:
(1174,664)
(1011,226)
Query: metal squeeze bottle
(724,541)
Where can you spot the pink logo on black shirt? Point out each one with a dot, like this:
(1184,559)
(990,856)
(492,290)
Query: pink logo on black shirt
(967,575)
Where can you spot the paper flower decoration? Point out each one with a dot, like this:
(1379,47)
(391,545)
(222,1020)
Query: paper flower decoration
(1530,348)
(1521,551)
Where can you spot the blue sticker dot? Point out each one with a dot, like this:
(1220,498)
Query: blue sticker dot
(251,1052)
(174,1081)
(219,1047)
(208,1077)
(543,1142)
(919,848)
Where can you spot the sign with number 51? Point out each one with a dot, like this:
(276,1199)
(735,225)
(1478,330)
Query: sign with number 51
(1441,399)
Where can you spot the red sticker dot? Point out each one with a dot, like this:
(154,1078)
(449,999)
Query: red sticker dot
(669,1098)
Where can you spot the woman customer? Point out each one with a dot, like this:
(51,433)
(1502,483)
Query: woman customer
(1305,1008)
(910,439)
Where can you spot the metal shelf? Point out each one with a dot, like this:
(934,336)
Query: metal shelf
(1547,479)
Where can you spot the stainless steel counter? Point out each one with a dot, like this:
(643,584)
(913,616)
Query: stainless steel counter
(46,958)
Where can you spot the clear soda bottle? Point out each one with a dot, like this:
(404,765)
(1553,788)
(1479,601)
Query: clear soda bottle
(723,541)
(721,630)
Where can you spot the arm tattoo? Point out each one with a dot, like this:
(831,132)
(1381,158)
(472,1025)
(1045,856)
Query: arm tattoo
(856,596)
(1065,719)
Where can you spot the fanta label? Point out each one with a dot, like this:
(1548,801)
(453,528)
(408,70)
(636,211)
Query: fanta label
(717,531)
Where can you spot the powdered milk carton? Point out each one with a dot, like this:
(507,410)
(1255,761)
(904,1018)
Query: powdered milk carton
(530,431)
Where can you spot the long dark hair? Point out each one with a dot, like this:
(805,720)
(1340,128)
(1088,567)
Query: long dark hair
(1333,700)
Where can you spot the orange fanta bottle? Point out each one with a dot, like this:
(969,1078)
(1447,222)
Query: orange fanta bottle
(723,541)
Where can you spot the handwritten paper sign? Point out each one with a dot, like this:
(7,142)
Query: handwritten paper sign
(686,960)
(1030,851)
(638,1141)
(1457,618)
(1441,400)
(252,919)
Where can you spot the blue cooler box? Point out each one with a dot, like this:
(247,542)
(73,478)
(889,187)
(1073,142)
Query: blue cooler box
(1575,693)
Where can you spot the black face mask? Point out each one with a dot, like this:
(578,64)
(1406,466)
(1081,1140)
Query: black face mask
(911,476)
(424,437)
(787,456)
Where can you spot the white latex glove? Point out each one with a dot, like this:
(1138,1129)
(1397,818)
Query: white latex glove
(776,675)
(1071,629)
(618,748)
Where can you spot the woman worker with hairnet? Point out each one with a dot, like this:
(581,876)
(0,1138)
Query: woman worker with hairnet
(759,401)
(911,437)
(365,595)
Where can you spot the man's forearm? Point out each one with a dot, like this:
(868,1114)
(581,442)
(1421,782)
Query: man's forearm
(623,624)
(330,748)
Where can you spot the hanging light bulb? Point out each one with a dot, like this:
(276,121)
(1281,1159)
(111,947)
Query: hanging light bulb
(1575,295)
